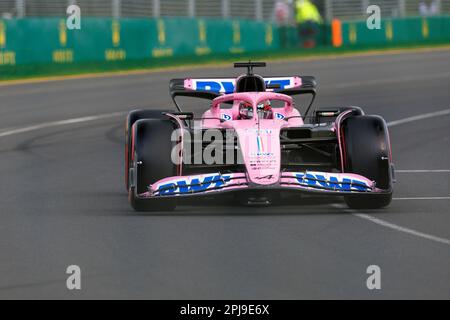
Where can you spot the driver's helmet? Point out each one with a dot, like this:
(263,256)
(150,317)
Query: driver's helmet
(264,110)
(245,110)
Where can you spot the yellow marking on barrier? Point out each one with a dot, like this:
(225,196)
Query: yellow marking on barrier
(236,32)
(425,28)
(115,33)
(389,30)
(2,34)
(353,36)
(7,58)
(203,49)
(161,32)
(162,52)
(236,49)
(63,56)
(115,55)
(62,33)
(269,35)
(218,64)
(202,31)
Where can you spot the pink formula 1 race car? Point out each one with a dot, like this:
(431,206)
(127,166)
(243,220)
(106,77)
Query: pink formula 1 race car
(254,144)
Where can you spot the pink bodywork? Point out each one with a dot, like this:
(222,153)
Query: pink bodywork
(259,141)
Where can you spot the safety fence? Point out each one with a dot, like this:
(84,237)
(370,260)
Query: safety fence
(250,9)
(262,10)
(48,41)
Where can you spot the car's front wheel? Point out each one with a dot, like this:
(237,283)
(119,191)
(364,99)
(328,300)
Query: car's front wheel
(367,153)
(132,118)
(151,161)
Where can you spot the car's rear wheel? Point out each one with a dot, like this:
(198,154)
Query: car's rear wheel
(367,153)
(132,117)
(151,161)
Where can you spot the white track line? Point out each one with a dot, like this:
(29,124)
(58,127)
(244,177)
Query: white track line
(60,123)
(422,171)
(392,80)
(394,226)
(419,117)
(423,198)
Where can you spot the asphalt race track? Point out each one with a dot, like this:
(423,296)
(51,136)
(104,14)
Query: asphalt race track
(62,199)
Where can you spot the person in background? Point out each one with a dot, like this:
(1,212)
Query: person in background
(429,8)
(284,17)
(308,20)
(283,12)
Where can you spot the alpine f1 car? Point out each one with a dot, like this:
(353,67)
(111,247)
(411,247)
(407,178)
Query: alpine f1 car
(254,143)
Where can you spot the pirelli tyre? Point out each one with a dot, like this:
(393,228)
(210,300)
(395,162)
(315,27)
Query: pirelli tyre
(367,152)
(151,147)
(132,117)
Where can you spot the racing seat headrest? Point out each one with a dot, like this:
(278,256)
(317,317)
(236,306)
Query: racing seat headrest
(250,83)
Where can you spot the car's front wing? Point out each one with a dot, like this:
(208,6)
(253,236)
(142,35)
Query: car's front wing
(309,181)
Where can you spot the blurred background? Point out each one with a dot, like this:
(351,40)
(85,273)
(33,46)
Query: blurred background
(36,36)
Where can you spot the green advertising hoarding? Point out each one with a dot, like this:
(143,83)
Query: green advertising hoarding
(397,31)
(35,41)
(25,41)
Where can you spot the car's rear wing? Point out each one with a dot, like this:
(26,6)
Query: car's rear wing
(215,87)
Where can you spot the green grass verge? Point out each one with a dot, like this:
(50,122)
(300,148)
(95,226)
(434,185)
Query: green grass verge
(48,70)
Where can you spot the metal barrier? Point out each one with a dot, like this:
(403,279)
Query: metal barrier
(251,9)
(261,10)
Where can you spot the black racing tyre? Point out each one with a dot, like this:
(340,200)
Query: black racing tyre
(367,153)
(132,117)
(152,148)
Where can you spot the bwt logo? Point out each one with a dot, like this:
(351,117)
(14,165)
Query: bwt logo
(194,185)
(229,86)
(73,21)
(333,184)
